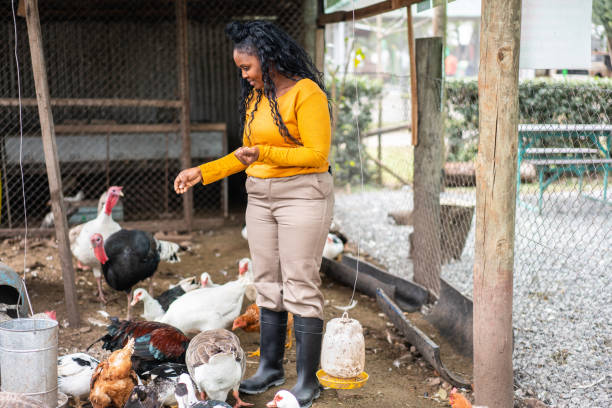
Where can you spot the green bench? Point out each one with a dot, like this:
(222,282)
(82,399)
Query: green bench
(552,162)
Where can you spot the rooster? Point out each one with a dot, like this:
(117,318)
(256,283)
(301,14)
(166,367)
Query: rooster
(154,343)
(113,380)
(104,225)
(249,322)
(457,400)
(130,256)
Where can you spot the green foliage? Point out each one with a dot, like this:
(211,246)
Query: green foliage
(602,14)
(540,101)
(345,150)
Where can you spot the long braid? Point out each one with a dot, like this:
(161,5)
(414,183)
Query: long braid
(271,45)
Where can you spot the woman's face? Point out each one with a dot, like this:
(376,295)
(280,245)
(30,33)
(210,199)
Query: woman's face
(250,67)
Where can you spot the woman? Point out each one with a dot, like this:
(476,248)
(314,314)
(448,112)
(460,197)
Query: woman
(286,130)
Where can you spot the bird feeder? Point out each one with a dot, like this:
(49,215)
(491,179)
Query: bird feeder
(343,354)
(12,293)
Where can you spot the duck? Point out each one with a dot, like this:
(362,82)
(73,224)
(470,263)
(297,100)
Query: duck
(216,363)
(245,268)
(208,308)
(283,399)
(333,246)
(18,400)
(244,233)
(74,373)
(142,397)
(206,281)
(155,308)
(163,379)
(186,398)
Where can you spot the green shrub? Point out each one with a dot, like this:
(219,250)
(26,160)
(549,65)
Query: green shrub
(345,150)
(540,101)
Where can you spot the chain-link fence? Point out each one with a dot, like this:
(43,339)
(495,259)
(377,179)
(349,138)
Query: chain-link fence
(562,301)
(113,74)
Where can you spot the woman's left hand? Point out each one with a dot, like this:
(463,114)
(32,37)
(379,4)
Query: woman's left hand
(247,155)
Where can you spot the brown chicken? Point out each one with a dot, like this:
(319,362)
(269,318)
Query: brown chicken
(249,322)
(457,400)
(113,381)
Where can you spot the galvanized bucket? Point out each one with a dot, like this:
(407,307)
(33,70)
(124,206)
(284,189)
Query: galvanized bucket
(28,358)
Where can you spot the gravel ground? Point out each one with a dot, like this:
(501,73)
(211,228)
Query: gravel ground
(562,285)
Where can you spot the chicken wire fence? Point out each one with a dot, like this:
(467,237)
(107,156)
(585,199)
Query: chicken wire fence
(562,301)
(112,69)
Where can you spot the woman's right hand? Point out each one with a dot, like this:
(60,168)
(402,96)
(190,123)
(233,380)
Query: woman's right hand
(187,179)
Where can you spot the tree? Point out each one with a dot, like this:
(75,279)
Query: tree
(602,14)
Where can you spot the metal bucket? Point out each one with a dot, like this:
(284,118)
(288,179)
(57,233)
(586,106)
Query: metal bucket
(28,358)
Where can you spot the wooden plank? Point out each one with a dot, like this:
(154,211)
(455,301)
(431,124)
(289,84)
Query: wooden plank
(96,102)
(556,127)
(364,12)
(496,201)
(145,225)
(387,169)
(50,149)
(138,128)
(183,90)
(428,167)
(320,49)
(414,100)
(389,129)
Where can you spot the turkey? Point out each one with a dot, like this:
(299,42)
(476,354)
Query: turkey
(130,256)
(104,225)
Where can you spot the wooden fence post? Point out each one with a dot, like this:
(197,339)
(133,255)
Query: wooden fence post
(182,47)
(51,160)
(496,201)
(427,166)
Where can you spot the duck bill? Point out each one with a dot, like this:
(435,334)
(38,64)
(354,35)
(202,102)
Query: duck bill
(272,404)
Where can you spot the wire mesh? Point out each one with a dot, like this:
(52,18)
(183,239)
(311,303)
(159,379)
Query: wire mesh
(563,206)
(112,70)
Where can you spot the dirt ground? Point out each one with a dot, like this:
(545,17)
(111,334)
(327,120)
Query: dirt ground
(398,377)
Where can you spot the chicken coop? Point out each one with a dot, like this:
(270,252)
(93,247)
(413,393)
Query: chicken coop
(139,89)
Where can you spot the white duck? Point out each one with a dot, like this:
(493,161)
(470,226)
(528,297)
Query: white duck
(154,308)
(245,268)
(216,362)
(206,281)
(74,373)
(244,233)
(333,246)
(208,308)
(283,399)
(102,224)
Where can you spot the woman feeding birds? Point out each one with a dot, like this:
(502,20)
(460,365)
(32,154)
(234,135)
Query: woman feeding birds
(285,123)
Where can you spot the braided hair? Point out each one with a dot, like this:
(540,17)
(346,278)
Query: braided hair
(272,46)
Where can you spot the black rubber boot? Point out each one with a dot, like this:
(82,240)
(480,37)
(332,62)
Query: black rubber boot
(308,338)
(272,335)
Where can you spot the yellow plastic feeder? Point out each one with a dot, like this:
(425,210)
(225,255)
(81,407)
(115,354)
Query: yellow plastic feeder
(343,355)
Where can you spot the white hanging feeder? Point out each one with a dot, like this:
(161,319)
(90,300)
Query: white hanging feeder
(343,354)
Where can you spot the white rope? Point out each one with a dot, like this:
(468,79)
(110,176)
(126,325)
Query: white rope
(25,212)
(356,115)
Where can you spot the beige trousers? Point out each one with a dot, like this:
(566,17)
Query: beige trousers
(287,221)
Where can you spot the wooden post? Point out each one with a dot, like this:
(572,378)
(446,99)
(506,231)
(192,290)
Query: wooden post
(320,39)
(414,100)
(51,160)
(427,166)
(183,88)
(495,201)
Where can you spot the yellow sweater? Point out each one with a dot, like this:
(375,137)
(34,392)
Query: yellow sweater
(305,113)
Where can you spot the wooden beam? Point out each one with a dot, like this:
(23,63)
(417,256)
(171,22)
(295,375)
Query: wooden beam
(51,160)
(97,102)
(414,99)
(496,164)
(382,131)
(182,46)
(387,169)
(320,49)
(428,167)
(138,128)
(364,12)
